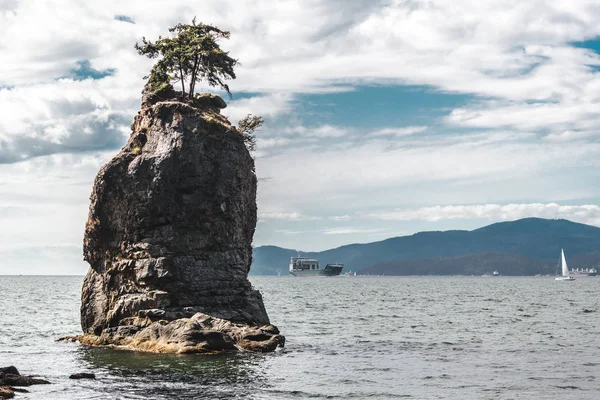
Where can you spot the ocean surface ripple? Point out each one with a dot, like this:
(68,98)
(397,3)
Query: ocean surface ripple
(347,338)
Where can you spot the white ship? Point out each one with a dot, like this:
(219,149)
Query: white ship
(302,266)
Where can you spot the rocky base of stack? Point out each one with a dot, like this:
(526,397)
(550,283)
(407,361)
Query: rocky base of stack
(200,333)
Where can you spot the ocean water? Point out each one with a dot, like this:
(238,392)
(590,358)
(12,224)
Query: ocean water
(347,338)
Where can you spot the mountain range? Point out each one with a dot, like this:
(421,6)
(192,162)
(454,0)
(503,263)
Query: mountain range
(527,246)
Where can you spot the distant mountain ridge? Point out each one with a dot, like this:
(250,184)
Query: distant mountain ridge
(479,264)
(538,239)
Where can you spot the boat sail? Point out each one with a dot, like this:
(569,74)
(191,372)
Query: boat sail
(565,269)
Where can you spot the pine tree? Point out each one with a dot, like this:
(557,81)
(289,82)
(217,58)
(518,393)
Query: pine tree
(191,55)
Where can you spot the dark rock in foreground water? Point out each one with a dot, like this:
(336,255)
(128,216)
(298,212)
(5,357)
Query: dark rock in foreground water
(10,376)
(169,236)
(82,375)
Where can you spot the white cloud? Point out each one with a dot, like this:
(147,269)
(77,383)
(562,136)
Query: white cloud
(320,131)
(286,216)
(288,232)
(264,105)
(340,218)
(566,115)
(568,136)
(518,60)
(329,131)
(43,209)
(588,213)
(265,143)
(372,167)
(406,131)
(64,116)
(473,51)
(351,230)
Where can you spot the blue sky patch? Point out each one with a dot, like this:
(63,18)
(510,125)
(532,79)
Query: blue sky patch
(124,18)
(592,44)
(380,106)
(84,70)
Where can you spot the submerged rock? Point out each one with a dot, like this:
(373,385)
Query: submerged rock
(169,236)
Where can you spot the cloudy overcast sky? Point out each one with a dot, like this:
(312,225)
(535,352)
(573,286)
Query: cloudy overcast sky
(383,118)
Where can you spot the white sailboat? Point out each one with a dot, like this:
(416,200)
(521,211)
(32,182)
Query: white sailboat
(565,269)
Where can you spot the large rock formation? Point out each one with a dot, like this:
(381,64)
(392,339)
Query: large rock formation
(169,236)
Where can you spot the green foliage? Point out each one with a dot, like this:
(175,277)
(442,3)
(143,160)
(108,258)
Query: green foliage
(193,54)
(247,126)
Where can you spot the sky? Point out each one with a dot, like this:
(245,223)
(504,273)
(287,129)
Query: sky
(382,118)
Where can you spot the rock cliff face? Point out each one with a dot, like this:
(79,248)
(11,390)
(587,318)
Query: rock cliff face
(169,235)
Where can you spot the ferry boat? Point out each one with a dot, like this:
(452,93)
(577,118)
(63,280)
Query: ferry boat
(583,272)
(303,266)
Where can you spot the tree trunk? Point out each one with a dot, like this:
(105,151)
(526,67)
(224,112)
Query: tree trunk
(194,77)
(182,82)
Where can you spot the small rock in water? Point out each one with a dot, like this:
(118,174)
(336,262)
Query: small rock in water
(9,370)
(67,339)
(83,375)
(10,376)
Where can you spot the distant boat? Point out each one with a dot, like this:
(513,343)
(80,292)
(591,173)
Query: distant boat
(565,269)
(583,272)
(495,273)
(302,266)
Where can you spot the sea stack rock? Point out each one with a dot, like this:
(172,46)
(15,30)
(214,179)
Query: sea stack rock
(169,236)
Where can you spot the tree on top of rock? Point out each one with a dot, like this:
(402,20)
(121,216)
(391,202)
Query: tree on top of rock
(193,54)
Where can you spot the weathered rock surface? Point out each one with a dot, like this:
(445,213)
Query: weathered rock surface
(169,235)
(199,334)
(10,377)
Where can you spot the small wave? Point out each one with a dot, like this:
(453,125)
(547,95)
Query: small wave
(568,387)
(443,376)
